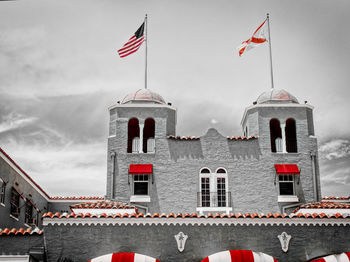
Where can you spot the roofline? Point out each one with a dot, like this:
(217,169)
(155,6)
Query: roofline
(141,105)
(273,105)
(20,171)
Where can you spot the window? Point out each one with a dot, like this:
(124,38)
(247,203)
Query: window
(141,184)
(275,133)
(286,185)
(148,136)
(133,132)
(291,136)
(213,189)
(28,213)
(135,145)
(2,192)
(14,203)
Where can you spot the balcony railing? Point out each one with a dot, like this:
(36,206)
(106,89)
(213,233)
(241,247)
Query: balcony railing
(214,199)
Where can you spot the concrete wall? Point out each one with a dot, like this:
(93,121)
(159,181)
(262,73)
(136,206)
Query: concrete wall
(81,243)
(13,179)
(177,163)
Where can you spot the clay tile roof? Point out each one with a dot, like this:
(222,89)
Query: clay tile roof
(105,204)
(195,215)
(77,198)
(326,205)
(20,231)
(184,137)
(336,198)
(242,137)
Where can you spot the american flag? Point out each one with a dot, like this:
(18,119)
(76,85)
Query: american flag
(134,42)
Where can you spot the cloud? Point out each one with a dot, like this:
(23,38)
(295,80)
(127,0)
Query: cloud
(14,121)
(335,149)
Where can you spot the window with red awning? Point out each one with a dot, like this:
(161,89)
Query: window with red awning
(141,169)
(287,169)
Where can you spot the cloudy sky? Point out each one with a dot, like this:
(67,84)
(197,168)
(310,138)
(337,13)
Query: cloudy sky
(59,72)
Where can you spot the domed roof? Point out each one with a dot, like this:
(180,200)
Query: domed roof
(143,96)
(276,96)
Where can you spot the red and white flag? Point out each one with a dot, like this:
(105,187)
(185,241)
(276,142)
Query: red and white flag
(343,257)
(259,37)
(134,42)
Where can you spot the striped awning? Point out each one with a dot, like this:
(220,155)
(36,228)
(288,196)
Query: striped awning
(124,257)
(239,256)
(287,169)
(141,169)
(343,257)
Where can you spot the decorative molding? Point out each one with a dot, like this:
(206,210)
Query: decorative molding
(284,239)
(199,221)
(181,241)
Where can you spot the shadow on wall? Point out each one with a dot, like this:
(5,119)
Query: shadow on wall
(244,149)
(191,149)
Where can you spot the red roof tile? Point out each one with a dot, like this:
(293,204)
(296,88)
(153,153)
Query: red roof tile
(335,198)
(106,204)
(194,215)
(184,137)
(20,231)
(77,198)
(242,137)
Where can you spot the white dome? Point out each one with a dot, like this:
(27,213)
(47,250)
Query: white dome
(143,96)
(276,96)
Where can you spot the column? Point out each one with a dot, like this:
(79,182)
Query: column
(141,138)
(283,129)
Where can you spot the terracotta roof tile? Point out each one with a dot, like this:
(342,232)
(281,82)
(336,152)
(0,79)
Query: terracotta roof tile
(335,198)
(105,204)
(241,137)
(77,198)
(325,205)
(195,215)
(184,137)
(20,231)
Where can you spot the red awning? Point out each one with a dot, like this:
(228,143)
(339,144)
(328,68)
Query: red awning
(139,169)
(289,169)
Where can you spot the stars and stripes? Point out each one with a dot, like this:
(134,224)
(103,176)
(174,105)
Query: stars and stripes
(124,257)
(134,42)
(256,39)
(239,256)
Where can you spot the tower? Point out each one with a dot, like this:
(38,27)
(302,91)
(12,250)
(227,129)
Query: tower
(138,128)
(286,135)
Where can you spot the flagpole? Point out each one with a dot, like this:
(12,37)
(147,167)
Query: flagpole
(268,25)
(146,52)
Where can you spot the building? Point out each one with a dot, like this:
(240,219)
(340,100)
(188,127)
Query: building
(186,198)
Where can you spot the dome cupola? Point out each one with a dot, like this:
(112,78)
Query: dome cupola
(278,96)
(143,96)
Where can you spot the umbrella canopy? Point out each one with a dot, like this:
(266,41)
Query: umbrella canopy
(124,257)
(239,256)
(343,257)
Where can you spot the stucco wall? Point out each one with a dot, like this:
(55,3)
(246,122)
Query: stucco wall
(81,243)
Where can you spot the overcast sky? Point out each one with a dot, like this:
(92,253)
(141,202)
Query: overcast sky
(59,72)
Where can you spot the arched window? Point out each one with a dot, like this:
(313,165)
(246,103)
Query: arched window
(213,189)
(133,135)
(148,136)
(204,198)
(275,133)
(291,136)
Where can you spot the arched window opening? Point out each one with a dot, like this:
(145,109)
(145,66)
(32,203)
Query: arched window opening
(133,135)
(205,171)
(291,136)
(275,133)
(221,171)
(148,136)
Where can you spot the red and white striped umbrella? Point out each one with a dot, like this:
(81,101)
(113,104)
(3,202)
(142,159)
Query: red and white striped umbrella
(343,257)
(124,257)
(239,256)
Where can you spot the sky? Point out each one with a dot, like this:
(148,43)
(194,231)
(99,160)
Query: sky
(59,73)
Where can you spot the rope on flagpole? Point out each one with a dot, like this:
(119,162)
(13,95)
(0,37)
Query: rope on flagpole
(146,40)
(268,26)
